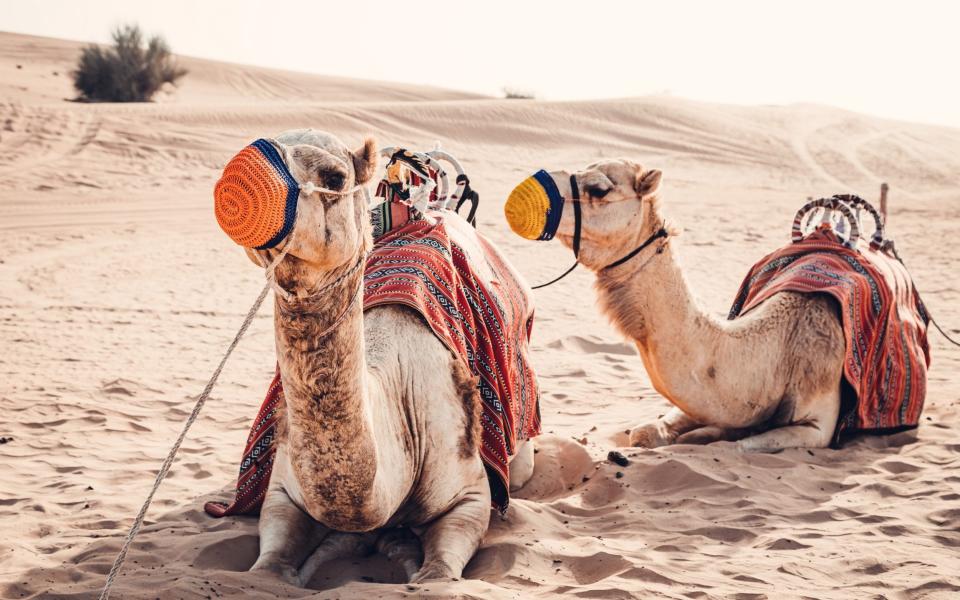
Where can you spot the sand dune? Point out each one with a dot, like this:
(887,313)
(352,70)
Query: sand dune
(118,294)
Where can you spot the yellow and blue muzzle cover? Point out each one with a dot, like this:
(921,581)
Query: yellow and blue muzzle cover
(535,207)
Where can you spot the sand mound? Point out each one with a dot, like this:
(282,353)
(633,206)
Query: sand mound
(119,294)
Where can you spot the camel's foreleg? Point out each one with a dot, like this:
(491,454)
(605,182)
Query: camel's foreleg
(287,535)
(450,541)
(664,431)
(709,434)
(812,430)
(806,435)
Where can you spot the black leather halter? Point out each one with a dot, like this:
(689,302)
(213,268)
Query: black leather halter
(660,233)
(575,193)
(577,222)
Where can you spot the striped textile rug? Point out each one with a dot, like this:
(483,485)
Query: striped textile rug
(475,304)
(884,323)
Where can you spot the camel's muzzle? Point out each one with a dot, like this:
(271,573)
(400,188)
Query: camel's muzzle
(534,207)
(255,200)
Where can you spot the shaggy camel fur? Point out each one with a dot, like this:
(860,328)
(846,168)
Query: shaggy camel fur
(381,425)
(771,378)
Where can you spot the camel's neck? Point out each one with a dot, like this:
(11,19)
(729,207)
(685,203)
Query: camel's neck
(648,299)
(320,348)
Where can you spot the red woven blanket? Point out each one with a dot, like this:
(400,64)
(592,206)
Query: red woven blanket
(475,304)
(884,323)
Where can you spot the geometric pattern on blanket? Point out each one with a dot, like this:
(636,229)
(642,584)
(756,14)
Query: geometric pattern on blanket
(475,304)
(884,324)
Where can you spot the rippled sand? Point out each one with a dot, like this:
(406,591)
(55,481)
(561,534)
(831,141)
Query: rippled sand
(118,295)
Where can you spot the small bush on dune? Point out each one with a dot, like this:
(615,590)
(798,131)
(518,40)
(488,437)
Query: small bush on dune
(128,71)
(511,93)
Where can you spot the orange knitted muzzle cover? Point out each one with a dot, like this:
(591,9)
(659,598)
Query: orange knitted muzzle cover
(255,200)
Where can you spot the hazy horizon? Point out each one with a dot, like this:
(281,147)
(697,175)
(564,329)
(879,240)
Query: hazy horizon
(889,59)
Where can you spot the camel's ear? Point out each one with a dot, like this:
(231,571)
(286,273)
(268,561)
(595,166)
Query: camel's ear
(365,160)
(648,182)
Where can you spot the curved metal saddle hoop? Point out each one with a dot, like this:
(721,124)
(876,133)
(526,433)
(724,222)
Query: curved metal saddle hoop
(879,234)
(834,203)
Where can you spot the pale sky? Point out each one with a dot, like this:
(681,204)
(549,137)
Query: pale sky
(895,59)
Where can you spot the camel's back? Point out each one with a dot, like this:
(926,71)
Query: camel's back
(484,252)
(479,307)
(884,323)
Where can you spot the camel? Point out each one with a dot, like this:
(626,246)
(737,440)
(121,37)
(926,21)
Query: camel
(766,381)
(381,425)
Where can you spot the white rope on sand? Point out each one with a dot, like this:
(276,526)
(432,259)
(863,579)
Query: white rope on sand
(308,188)
(168,462)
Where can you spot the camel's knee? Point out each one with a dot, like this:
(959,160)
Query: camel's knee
(287,535)
(521,465)
(450,541)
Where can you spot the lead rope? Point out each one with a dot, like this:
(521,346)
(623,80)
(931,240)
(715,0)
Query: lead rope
(896,255)
(942,332)
(308,188)
(168,462)
(575,193)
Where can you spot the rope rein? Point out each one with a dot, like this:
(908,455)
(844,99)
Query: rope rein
(308,188)
(270,270)
(929,316)
(944,333)
(168,462)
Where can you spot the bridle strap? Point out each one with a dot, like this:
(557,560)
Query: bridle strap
(575,192)
(565,273)
(660,233)
(575,198)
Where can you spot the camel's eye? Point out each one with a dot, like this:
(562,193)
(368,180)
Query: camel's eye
(332,181)
(597,191)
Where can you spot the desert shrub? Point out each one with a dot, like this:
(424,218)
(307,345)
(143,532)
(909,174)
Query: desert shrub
(512,93)
(127,71)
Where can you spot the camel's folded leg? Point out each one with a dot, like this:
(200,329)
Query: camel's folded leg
(812,428)
(709,434)
(336,545)
(402,547)
(521,465)
(663,431)
(287,535)
(450,541)
(806,435)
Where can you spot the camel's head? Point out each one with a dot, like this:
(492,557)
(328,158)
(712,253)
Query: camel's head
(300,189)
(616,198)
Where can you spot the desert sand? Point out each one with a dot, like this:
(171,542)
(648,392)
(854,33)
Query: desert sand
(119,294)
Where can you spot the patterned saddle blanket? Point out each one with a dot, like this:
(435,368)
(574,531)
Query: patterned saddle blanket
(474,302)
(884,323)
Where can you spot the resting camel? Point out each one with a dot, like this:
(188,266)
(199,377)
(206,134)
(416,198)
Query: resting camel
(771,378)
(378,413)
